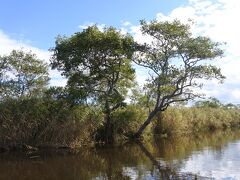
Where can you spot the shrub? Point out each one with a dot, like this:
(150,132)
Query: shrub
(41,122)
(127,120)
(192,120)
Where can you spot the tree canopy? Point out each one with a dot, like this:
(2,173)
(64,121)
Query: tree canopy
(97,65)
(177,61)
(22,75)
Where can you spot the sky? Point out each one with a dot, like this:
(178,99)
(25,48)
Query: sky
(34,25)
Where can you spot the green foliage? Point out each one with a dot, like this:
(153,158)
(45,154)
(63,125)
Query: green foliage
(56,123)
(127,120)
(177,60)
(141,98)
(193,120)
(46,122)
(22,75)
(4,66)
(98,67)
(211,103)
(96,63)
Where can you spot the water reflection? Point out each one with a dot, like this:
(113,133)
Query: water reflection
(218,164)
(200,157)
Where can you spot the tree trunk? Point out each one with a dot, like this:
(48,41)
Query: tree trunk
(158,129)
(108,127)
(145,124)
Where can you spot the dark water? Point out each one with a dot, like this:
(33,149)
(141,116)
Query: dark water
(209,156)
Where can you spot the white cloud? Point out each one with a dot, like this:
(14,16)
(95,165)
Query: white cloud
(126,23)
(138,36)
(7,44)
(123,31)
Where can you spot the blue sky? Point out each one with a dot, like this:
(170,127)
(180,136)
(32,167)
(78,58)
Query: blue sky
(33,25)
(41,21)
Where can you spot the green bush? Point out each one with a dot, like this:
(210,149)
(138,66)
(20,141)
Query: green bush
(126,121)
(192,120)
(41,122)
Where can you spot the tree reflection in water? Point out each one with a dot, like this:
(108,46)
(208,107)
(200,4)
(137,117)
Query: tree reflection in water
(158,159)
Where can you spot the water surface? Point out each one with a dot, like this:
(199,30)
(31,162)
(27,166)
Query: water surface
(206,156)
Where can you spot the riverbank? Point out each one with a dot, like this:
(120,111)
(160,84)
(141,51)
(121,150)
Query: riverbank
(46,123)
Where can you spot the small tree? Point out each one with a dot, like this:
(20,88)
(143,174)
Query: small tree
(176,60)
(210,103)
(22,75)
(4,67)
(98,67)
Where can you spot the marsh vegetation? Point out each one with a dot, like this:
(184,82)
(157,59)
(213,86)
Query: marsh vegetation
(99,68)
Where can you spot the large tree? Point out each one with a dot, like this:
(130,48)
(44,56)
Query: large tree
(98,67)
(177,61)
(22,74)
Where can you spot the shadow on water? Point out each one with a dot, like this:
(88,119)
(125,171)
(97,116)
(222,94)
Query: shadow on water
(157,159)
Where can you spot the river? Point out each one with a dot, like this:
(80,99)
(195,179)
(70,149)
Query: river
(205,156)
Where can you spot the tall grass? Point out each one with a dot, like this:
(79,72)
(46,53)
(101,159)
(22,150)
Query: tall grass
(39,122)
(193,120)
(126,121)
(55,123)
